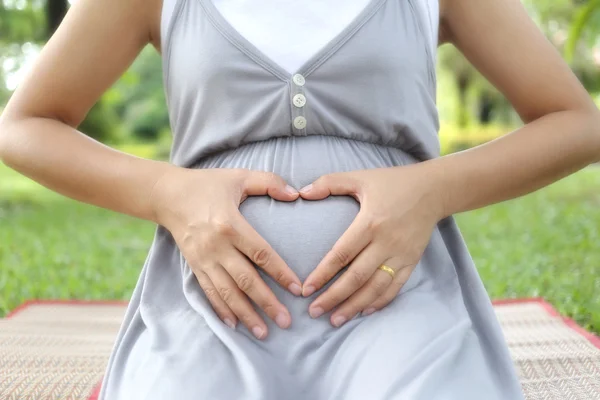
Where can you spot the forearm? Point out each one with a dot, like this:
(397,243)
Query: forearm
(519,163)
(68,162)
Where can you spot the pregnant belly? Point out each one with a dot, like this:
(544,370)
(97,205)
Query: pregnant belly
(302,232)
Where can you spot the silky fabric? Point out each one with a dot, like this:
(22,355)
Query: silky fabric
(369,103)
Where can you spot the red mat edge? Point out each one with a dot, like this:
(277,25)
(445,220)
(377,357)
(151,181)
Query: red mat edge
(593,339)
(28,303)
(96,392)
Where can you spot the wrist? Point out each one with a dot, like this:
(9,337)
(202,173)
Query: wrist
(436,191)
(162,192)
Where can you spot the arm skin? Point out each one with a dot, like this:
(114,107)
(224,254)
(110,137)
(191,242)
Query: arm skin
(94,45)
(562,131)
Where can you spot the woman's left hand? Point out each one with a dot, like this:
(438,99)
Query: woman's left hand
(399,208)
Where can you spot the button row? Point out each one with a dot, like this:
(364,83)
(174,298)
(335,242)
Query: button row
(299,101)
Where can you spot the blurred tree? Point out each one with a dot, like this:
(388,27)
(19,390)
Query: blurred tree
(573,26)
(140,99)
(463,75)
(28,24)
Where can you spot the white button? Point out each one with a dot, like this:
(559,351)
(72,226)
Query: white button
(299,100)
(299,122)
(299,80)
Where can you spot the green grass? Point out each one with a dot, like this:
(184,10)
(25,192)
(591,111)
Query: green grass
(52,247)
(544,244)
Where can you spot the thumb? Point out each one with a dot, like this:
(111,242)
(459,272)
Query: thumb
(259,183)
(338,184)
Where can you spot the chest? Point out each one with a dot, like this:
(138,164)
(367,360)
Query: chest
(289,31)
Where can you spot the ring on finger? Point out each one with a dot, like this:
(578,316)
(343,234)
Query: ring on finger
(388,270)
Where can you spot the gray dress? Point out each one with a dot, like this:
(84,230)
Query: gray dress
(370,102)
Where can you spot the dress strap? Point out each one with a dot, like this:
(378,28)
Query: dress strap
(430,10)
(168,15)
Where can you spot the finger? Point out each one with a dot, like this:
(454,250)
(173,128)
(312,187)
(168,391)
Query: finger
(237,301)
(251,244)
(249,281)
(220,307)
(259,183)
(392,291)
(348,246)
(365,296)
(338,184)
(357,275)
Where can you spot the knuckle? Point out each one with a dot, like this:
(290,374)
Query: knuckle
(280,277)
(223,228)
(227,294)
(357,276)
(379,287)
(245,282)
(261,256)
(374,224)
(341,256)
(211,294)
(187,239)
(208,243)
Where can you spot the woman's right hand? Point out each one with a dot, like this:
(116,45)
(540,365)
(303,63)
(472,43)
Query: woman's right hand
(200,207)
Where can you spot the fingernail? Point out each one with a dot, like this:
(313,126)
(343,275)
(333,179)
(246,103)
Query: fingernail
(291,190)
(295,289)
(282,320)
(308,290)
(316,312)
(306,188)
(229,323)
(339,320)
(258,332)
(368,311)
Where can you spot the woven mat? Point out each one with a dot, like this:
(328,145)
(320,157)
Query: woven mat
(59,350)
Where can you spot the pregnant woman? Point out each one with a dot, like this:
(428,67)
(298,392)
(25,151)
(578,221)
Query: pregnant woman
(305,245)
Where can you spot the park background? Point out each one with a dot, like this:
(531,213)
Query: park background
(544,244)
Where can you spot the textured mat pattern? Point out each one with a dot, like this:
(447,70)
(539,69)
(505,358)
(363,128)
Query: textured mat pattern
(554,357)
(58,350)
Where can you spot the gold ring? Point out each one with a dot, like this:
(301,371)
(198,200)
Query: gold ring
(387,269)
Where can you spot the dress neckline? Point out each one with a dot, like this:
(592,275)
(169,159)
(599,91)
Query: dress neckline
(233,35)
